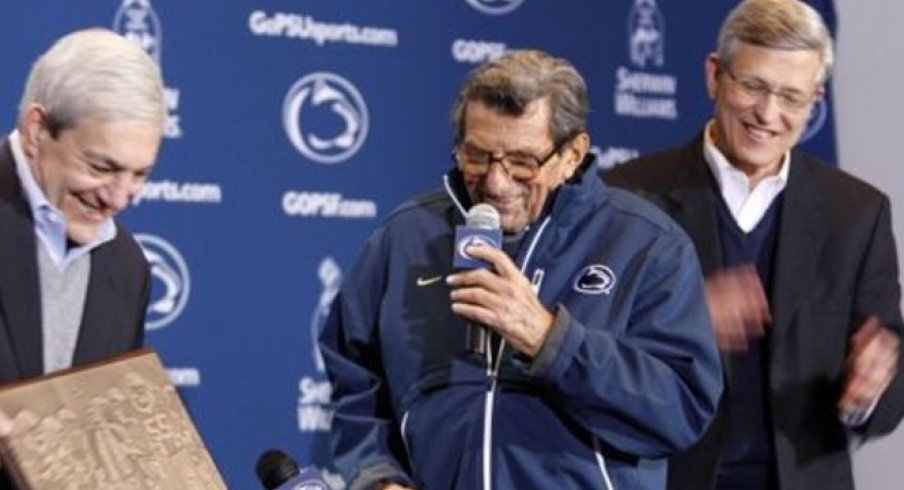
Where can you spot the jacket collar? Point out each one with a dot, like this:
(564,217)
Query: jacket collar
(690,203)
(801,236)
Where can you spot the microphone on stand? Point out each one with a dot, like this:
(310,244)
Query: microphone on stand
(481,228)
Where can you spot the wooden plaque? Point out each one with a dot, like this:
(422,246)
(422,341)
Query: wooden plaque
(117,425)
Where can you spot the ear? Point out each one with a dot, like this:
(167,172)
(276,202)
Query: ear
(574,154)
(32,129)
(712,67)
(820,94)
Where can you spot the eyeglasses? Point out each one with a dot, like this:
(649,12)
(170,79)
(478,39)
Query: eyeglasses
(518,165)
(756,90)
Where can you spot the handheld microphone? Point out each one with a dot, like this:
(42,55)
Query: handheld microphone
(481,228)
(278,471)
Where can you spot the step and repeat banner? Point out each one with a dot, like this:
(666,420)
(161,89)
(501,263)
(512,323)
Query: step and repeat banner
(295,127)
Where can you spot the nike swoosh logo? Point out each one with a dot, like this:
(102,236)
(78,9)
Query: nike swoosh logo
(426,281)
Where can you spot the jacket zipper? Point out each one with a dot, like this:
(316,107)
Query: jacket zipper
(494,371)
(601,462)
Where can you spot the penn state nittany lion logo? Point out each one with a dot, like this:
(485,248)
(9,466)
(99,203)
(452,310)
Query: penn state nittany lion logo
(325,117)
(137,21)
(474,240)
(495,7)
(646,34)
(595,279)
(170,281)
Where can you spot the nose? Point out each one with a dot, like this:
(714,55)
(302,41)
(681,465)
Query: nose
(496,179)
(767,107)
(119,192)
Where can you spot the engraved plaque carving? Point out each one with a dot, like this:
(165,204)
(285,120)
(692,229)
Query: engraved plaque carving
(117,425)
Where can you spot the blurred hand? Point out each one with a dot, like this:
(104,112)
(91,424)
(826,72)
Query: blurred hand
(393,486)
(872,363)
(6,424)
(6,428)
(503,300)
(737,306)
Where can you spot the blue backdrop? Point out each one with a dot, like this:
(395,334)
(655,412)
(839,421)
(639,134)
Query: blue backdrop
(296,126)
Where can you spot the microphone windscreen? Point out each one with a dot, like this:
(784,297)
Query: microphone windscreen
(274,468)
(483,216)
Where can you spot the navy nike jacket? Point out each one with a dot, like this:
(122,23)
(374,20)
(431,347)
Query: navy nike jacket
(629,375)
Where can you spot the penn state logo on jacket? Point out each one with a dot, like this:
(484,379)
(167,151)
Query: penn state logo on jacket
(595,279)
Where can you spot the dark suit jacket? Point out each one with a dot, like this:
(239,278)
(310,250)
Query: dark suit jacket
(835,263)
(117,296)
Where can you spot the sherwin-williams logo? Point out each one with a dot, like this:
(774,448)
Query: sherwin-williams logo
(314,392)
(330,276)
(595,279)
(137,21)
(495,7)
(643,92)
(325,117)
(646,34)
(170,281)
(818,115)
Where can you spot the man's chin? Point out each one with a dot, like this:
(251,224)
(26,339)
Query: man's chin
(81,234)
(512,225)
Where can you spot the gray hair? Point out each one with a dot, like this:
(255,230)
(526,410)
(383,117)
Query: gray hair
(510,83)
(777,24)
(95,74)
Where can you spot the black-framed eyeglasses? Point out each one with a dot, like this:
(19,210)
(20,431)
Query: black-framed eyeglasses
(518,165)
(756,90)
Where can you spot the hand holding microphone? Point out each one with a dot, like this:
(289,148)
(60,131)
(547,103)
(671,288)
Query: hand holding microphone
(481,229)
(492,292)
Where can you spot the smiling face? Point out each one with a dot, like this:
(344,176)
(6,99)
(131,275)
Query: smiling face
(755,128)
(91,171)
(518,201)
